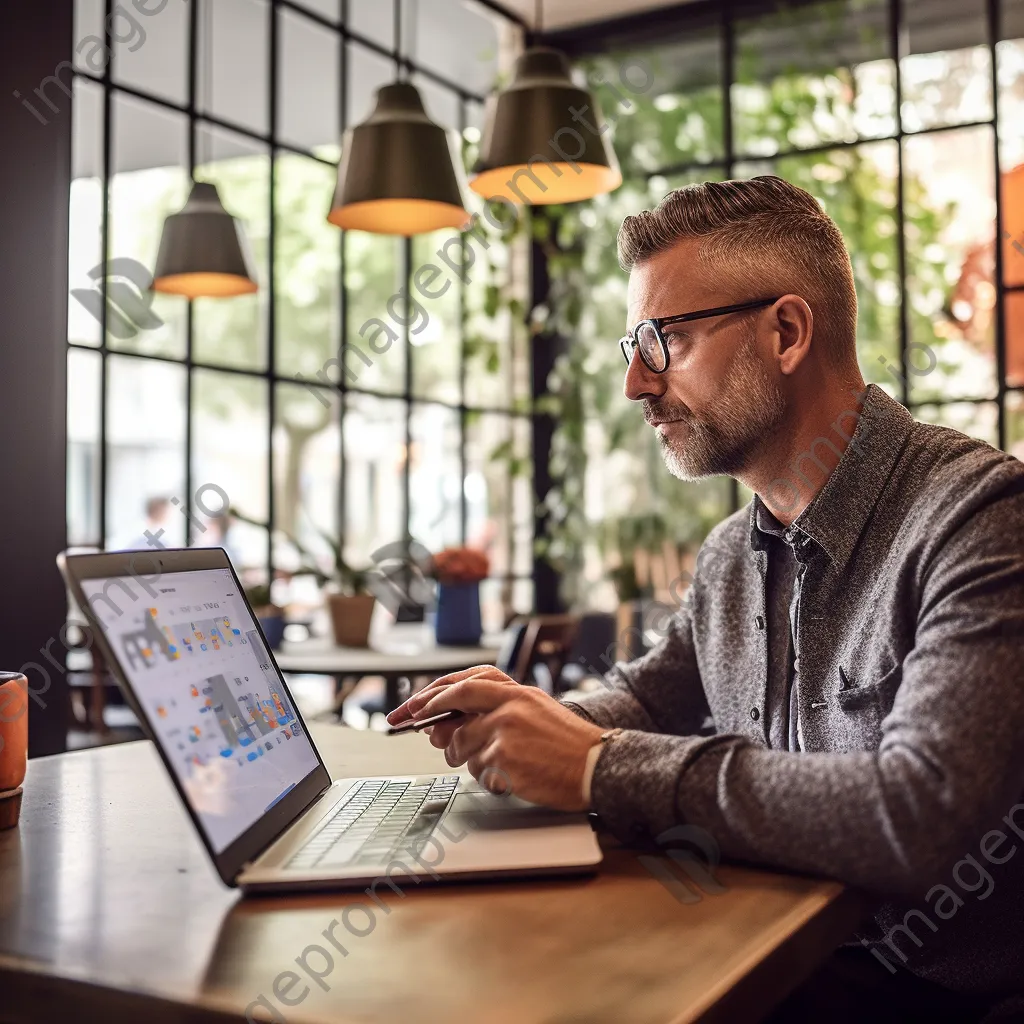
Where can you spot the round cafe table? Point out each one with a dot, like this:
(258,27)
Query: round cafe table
(406,649)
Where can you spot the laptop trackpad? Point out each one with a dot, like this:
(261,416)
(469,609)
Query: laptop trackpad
(485,811)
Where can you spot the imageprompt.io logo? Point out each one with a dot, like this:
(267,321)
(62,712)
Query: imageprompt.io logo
(400,576)
(695,854)
(129,297)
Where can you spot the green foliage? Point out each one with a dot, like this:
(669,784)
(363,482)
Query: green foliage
(677,123)
(259,596)
(494,333)
(307,308)
(623,578)
(340,574)
(623,537)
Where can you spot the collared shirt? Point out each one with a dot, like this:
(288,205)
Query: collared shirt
(782,709)
(910,636)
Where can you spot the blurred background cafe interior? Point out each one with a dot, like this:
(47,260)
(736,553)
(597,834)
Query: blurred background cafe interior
(412,440)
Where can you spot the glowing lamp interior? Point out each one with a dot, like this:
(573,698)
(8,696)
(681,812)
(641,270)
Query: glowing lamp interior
(205,285)
(398,216)
(546,183)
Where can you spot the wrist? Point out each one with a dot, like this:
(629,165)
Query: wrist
(590,764)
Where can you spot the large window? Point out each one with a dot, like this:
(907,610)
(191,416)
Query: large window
(905,118)
(247,394)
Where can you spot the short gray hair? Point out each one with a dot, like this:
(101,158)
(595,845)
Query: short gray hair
(771,236)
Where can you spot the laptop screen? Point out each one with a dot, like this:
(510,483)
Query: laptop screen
(216,704)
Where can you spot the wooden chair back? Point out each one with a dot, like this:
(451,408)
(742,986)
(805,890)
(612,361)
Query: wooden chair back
(538,649)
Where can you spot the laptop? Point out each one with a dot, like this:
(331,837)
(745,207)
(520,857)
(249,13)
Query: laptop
(177,631)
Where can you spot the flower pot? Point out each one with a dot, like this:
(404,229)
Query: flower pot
(350,617)
(272,622)
(458,614)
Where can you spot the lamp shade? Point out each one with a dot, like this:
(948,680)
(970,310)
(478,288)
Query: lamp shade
(396,175)
(203,250)
(533,151)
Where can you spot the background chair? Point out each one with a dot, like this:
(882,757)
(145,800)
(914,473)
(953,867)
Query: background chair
(537,649)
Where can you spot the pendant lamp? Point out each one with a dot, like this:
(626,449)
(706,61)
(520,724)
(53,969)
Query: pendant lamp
(203,250)
(532,150)
(396,175)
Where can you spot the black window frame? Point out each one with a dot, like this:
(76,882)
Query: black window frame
(270,374)
(648,29)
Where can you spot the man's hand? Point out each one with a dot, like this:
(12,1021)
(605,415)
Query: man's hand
(510,735)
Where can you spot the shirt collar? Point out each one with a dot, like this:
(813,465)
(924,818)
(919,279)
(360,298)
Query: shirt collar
(765,521)
(836,516)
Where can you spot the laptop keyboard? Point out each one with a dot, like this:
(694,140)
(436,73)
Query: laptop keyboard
(381,818)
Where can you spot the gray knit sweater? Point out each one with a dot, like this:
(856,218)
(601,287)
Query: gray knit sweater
(910,639)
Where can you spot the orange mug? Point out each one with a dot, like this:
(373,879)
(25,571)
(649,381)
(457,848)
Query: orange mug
(13,744)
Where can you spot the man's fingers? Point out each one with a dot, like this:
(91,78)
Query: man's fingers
(470,695)
(409,708)
(442,733)
(483,766)
(467,739)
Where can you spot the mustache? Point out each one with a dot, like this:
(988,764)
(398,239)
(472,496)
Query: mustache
(661,412)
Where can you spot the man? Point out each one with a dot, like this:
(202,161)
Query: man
(854,633)
(158,513)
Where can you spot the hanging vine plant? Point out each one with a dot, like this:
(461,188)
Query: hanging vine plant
(572,391)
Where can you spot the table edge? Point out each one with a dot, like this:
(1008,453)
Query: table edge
(740,994)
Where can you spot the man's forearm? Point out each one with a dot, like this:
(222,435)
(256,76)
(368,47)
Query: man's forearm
(613,705)
(882,819)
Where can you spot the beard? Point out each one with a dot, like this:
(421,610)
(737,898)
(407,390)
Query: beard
(746,413)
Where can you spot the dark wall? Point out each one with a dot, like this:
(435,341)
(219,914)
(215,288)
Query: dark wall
(35,175)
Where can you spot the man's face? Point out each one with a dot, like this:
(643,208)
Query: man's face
(160,512)
(718,403)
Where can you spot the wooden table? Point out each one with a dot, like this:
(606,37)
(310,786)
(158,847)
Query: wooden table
(110,911)
(404,650)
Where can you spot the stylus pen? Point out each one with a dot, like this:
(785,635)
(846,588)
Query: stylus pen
(414,726)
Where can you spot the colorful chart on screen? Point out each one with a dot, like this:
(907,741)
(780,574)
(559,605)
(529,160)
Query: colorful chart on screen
(218,707)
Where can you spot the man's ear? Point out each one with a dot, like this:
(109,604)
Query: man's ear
(794,325)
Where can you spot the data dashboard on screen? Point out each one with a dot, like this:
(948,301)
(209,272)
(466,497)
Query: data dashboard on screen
(198,667)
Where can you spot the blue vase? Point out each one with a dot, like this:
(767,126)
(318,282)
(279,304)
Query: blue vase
(458,615)
(273,629)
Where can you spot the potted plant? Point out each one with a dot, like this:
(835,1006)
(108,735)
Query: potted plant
(458,572)
(269,615)
(349,599)
(350,605)
(630,544)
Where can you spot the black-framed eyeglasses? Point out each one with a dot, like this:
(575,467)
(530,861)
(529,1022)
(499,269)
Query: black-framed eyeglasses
(647,335)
